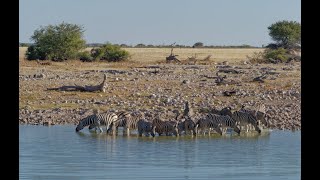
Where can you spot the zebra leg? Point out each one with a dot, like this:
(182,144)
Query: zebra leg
(101,131)
(128,131)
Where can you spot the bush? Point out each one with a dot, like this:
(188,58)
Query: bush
(97,53)
(110,52)
(85,56)
(34,52)
(270,56)
(198,45)
(279,54)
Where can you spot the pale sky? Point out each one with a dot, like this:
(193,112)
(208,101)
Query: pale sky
(157,22)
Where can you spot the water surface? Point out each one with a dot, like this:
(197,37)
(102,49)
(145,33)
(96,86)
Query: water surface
(58,152)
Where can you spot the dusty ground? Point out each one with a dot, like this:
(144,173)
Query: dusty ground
(146,83)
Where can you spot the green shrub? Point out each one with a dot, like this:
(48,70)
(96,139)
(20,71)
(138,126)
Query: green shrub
(34,52)
(97,53)
(85,56)
(109,52)
(279,54)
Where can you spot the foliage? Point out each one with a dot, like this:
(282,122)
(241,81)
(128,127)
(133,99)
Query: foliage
(114,53)
(198,44)
(109,52)
(279,54)
(34,52)
(270,55)
(98,53)
(140,45)
(286,33)
(85,56)
(58,42)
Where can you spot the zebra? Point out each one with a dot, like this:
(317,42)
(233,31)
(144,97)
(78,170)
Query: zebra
(145,127)
(122,116)
(168,127)
(97,119)
(178,116)
(186,126)
(187,110)
(131,122)
(204,124)
(259,113)
(243,119)
(223,122)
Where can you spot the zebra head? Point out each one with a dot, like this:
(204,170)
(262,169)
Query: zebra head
(261,117)
(226,111)
(91,126)
(79,126)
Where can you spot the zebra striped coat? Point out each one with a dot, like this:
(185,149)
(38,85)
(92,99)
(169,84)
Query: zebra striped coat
(145,127)
(206,124)
(259,113)
(243,119)
(122,116)
(223,122)
(97,120)
(186,126)
(131,122)
(167,127)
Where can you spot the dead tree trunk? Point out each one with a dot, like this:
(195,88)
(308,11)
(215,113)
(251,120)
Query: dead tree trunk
(101,87)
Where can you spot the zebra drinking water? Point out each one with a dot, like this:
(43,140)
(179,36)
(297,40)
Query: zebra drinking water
(145,127)
(122,116)
(186,126)
(206,124)
(243,119)
(168,127)
(131,123)
(259,113)
(223,122)
(97,120)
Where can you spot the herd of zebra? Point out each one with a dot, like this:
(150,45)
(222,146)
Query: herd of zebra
(216,121)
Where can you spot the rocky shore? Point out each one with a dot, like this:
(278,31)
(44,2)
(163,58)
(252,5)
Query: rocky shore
(161,88)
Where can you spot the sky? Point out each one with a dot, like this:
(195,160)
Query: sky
(161,22)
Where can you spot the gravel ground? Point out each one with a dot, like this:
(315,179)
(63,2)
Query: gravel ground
(160,88)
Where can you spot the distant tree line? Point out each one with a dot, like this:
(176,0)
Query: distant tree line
(140,45)
(65,41)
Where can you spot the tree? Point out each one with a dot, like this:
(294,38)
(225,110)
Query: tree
(57,42)
(286,33)
(198,44)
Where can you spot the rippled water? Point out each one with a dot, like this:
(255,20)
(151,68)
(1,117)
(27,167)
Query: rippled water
(58,152)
